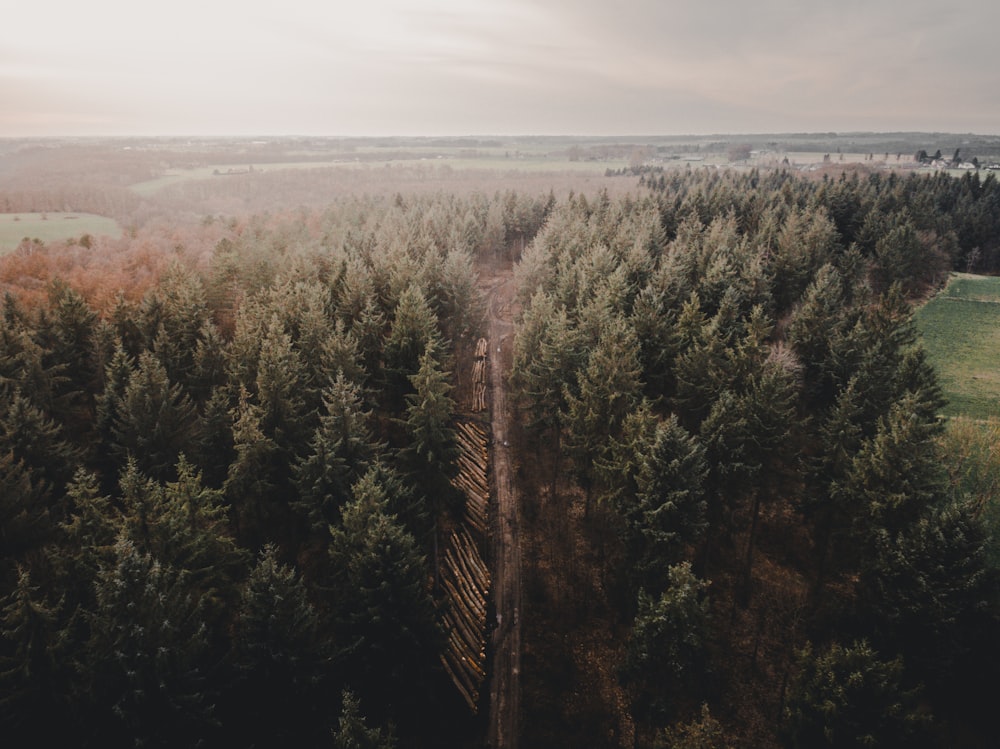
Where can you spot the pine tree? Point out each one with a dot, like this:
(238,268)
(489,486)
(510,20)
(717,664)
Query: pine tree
(352,730)
(280,389)
(608,389)
(670,510)
(154,420)
(252,487)
(414,331)
(666,657)
(430,455)
(37,442)
(148,654)
(385,628)
(340,452)
(930,594)
(849,697)
(35,675)
(278,655)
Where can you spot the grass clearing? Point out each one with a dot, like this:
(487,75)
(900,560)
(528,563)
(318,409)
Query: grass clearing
(52,227)
(960,327)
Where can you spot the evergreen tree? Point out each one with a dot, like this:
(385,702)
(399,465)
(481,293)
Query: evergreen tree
(669,513)
(35,675)
(413,332)
(352,730)
(849,697)
(279,657)
(252,487)
(385,629)
(154,421)
(930,595)
(432,450)
(147,657)
(666,657)
(342,447)
(608,389)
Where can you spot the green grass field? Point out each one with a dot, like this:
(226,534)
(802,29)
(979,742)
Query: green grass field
(51,227)
(960,327)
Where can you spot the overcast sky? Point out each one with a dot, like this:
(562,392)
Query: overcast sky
(472,67)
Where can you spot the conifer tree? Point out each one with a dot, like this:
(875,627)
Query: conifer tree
(432,450)
(154,419)
(278,655)
(252,487)
(35,672)
(850,697)
(608,389)
(339,454)
(352,730)
(147,656)
(670,508)
(413,331)
(666,654)
(385,629)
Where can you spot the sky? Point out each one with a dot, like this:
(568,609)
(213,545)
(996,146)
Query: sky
(498,67)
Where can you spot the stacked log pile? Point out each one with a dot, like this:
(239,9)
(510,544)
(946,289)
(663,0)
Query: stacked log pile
(471,478)
(479,378)
(464,576)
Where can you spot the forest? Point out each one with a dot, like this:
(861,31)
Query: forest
(229,448)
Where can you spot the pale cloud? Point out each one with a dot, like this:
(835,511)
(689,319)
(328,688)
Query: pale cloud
(496,66)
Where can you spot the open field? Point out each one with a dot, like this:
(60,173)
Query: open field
(961,332)
(481,161)
(50,227)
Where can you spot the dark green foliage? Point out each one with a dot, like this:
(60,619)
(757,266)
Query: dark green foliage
(252,486)
(385,630)
(279,657)
(429,457)
(147,659)
(606,391)
(154,419)
(32,438)
(930,594)
(413,333)
(352,730)
(184,524)
(705,732)
(849,697)
(341,449)
(667,657)
(667,514)
(35,674)
(25,520)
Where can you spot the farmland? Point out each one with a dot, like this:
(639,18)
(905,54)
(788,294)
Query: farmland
(961,332)
(49,227)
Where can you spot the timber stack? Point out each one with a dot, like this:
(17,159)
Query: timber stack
(479,378)
(465,578)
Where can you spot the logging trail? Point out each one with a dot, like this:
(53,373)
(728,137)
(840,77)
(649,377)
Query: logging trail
(505,686)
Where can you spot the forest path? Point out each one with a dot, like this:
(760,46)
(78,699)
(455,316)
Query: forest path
(505,685)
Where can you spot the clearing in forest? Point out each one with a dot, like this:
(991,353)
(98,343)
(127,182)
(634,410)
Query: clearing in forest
(960,328)
(52,227)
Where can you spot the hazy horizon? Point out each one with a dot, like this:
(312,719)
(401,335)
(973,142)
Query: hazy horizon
(480,68)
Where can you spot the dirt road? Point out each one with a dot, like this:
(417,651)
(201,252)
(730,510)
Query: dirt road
(505,686)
